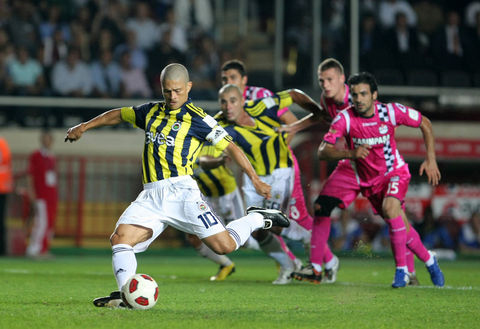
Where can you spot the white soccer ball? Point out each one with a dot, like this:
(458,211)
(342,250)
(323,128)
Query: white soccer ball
(140,292)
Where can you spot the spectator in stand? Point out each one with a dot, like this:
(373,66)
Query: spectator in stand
(389,8)
(43,192)
(145,28)
(370,40)
(80,39)
(6,186)
(430,16)
(202,78)
(450,43)
(47,28)
(110,17)
(177,37)
(138,57)
(196,16)
(71,77)
(133,81)
(55,48)
(469,239)
(160,56)
(471,12)
(404,43)
(25,75)
(106,76)
(21,25)
(103,42)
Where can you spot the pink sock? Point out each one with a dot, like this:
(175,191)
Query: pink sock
(285,248)
(398,239)
(410,261)
(327,254)
(306,222)
(414,243)
(320,233)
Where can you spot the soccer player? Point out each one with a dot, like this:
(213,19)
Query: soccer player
(253,127)
(175,130)
(234,72)
(43,190)
(383,176)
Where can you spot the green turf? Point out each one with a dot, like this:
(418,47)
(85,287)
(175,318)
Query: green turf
(58,293)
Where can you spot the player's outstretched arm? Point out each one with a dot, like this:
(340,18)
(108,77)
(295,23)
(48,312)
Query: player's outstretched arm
(429,166)
(235,153)
(328,152)
(109,118)
(308,104)
(208,162)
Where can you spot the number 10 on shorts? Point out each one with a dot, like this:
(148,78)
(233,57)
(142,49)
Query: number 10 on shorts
(208,219)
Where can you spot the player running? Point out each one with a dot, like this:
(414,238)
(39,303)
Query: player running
(252,126)
(383,176)
(174,133)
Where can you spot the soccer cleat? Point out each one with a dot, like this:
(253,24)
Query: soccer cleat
(331,273)
(284,277)
(223,272)
(436,274)
(271,217)
(413,280)
(308,273)
(114,300)
(401,278)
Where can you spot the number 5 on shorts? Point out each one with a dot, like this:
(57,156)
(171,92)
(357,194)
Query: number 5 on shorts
(208,219)
(392,188)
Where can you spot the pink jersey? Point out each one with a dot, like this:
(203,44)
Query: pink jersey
(334,108)
(377,131)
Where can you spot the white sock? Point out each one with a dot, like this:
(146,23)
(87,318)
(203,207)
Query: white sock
(241,228)
(296,232)
(317,267)
(272,247)
(124,263)
(405,268)
(329,265)
(431,260)
(210,254)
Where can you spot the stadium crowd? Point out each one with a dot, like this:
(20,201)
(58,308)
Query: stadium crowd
(116,48)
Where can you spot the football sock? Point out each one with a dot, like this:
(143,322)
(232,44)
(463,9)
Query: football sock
(320,233)
(398,240)
(317,267)
(210,254)
(124,263)
(272,248)
(241,228)
(327,254)
(431,260)
(285,248)
(414,243)
(410,261)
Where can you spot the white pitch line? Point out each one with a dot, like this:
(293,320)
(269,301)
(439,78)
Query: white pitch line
(343,283)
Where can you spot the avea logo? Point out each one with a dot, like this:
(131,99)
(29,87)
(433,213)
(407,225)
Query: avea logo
(161,139)
(371,141)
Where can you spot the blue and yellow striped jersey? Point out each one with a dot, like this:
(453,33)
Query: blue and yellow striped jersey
(214,182)
(173,138)
(266,149)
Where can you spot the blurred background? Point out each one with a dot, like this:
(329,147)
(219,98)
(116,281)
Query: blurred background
(63,62)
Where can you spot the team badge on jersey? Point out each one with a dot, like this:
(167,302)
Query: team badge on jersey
(383,129)
(176,126)
(202,206)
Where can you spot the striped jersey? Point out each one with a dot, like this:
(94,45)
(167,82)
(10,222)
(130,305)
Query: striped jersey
(265,148)
(214,182)
(173,138)
(377,131)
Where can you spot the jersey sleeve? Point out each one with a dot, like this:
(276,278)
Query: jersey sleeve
(269,106)
(136,114)
(207,129)
(338,129)
(404,115)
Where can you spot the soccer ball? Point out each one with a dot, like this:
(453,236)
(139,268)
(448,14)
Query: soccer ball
(140,292)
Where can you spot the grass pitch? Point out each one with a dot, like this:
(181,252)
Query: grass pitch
(58,293)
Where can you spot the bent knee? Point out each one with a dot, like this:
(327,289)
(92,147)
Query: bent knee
(324,205)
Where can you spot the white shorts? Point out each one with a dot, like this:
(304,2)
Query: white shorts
(281,180)
(229,206)
(175,202)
